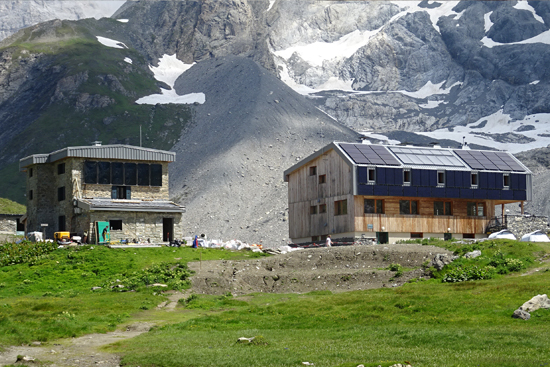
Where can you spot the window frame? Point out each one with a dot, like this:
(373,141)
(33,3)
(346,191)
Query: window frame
(371,175)
(340,207)
(322,179)
(417,234)
(375,206)
(407,174)
(440,178)
(445,211)
(313,171)
(477,206)
(313,210)
(61,168)
(506,181)
(31,172)
(410,205)
(476,184)
(322,208)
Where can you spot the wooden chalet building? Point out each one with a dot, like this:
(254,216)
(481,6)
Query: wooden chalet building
(355,191)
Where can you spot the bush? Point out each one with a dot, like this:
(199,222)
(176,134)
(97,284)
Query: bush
(174,276)
(469,272)
(25,252)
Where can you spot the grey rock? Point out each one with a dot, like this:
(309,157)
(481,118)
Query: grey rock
(539,301)
(473,254)
(520,314)
(440,260)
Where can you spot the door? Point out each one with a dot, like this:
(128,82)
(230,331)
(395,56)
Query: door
(167,229)
(382,238)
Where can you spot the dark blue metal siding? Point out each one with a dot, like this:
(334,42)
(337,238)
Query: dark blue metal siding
(520,195)
(380,190)
(466,193)
(362,174)
(410,191)
(395,190)
(438,192)
(493,194)
(507,195)
(424,192)
(381,176)
(452,193)
(365,190)
(416,177)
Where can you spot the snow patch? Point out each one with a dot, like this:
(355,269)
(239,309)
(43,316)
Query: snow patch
(445,9)
(535,82)
(371,135)
(110,43)
(168,70)
(430,104)
(500,123)
(488,22)
(128,60)
(271,3)
(122,20)
(524,5)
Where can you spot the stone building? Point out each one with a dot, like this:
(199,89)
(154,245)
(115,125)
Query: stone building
(74,188)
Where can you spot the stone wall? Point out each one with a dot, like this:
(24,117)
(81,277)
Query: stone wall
(8,224)
(520,225)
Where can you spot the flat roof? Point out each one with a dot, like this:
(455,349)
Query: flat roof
(117,151)
(159,206)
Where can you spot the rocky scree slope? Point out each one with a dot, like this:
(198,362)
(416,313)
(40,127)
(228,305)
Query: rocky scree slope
(231,159)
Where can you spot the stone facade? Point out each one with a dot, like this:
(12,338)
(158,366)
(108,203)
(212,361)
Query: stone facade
(52,191)
(8,223)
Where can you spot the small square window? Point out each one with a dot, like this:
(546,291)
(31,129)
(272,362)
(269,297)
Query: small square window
(322,179)
(417,235)
(474,179)
(323,208)
(371,175)
(31,172)
(506,181)
(115,224)
(313,209)
(314,238)
(341,207)
(407,177)
(468,235)
(30,194)
(61,168)
(313,171)
(440,178)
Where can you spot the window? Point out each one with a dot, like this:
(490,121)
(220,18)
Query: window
(313,171)
(61,227)
(61,193)
(506,181)
(61,168)
(117,173)
(474,179)
(408,207)
(442,208)
(323,208)
(322,179)
(90,172)
(468,235)
(30,194)
(440,178)
(130,173)
(121,192)
(143,174)
(341,207)
(417,235)
(156,175)
(31,172)
(371,175)
(115,225)
(475,209)
(313,209)
(314,238)
(407,177)
(104,173)
(374,206)
(447,236)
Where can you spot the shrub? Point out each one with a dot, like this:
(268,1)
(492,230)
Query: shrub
(174,276)
(25,252)
(469,272)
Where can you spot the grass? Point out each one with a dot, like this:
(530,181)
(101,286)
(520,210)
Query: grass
(11,207)
(49,296)
(430,323)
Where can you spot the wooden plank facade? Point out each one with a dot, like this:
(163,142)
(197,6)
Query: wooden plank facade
(326,196)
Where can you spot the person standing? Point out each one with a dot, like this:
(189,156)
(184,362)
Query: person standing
(195,242)
(329,241)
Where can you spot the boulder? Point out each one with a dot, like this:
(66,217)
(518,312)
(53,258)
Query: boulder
(440,260)
(473,254)
(539,301)
(520,314)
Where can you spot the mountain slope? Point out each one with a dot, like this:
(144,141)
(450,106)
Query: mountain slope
(230,162)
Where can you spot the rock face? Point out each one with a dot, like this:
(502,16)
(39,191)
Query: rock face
(539,301)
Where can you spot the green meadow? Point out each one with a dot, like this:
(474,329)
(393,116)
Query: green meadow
(426,323)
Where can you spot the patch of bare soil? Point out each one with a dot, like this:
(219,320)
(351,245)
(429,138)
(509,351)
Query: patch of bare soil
(336,269)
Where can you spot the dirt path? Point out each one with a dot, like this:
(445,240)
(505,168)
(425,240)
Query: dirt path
(85,350)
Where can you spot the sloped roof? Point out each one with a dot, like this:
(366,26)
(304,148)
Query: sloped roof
(358,154)
(117,151)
